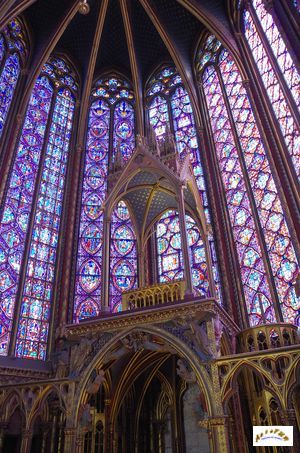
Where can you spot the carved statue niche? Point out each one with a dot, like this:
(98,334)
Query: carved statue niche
(79,352)
(218,326)
(85,418)
(184,373)
(29,397)
(60,359)
(94,386)
(194,329)
(137,341)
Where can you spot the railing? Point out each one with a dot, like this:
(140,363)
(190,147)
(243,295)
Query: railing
(151,296)
(268,336)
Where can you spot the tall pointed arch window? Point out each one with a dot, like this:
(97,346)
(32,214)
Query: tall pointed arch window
(13,54)
(110,128)
(31,211)
(278,72)
(265,251)
(123,255)
(169,107)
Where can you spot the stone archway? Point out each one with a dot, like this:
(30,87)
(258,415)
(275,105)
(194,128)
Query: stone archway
(128,359)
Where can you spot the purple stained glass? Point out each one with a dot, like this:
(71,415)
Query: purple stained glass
(123,255)
(276,233)
(172,95)
(2,47)
(12,56)
(18,201)
(112,103)
(279,49)
(40,273)
(274,91)
(158,115)
(170,259)
(89,255)
(169,252)
(8,81)
(187,143)
(123,134)
(256,287)
(296,4)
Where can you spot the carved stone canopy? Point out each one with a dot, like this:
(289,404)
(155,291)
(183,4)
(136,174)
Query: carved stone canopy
(149,184)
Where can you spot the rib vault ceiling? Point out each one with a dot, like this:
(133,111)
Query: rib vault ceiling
(131,37)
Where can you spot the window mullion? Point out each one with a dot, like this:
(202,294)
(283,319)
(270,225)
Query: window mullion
(64,302)
(111,151)
(59,276)
(29,231)
(170,113)
(252,204)
(280,77)
(285,16)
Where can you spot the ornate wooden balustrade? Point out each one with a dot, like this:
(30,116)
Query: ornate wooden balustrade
(151,296)
(268,336)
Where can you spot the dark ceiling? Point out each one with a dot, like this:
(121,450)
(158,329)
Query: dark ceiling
(148,19)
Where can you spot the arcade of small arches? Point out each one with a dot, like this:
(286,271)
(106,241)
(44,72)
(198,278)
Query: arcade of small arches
(149,257)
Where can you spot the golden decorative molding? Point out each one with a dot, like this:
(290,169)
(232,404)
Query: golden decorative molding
(151,315)
(153,295)
(268,336)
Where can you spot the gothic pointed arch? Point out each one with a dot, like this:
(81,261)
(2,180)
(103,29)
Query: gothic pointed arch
(14,52)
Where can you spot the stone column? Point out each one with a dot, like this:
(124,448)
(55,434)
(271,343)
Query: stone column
(105,263)
(70,435)
(3,428)
(218,427)
(45,428)
(289,419)
(184,243)
(107,444)
(26,440)
(79,445)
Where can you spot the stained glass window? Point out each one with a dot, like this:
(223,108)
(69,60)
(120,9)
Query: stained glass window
(170,260)
(123,255)
(248,153)
(13,53)
(169,252)
(18,209)
(17,205)
(38,288)
(271,71)
(169,105)
(111,104)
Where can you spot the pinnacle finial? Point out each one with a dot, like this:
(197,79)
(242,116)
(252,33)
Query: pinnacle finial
(84,7)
